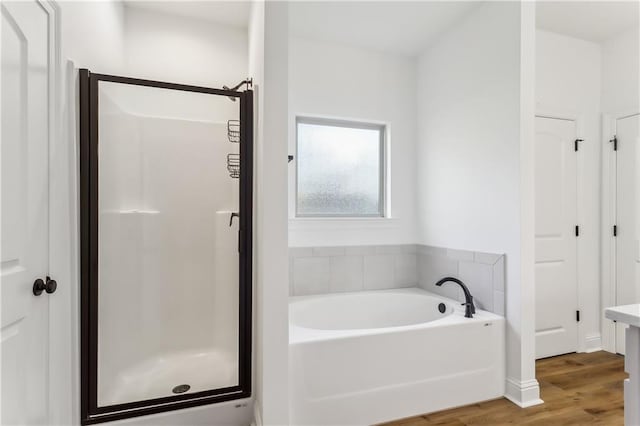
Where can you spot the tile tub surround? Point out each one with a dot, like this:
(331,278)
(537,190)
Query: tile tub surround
(483,273)
(319,270)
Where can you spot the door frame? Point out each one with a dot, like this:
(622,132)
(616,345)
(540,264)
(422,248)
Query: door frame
(578,119)
(60,239)
(609,212)
(91,412)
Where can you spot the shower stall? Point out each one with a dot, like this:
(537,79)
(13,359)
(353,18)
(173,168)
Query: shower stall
(166,213)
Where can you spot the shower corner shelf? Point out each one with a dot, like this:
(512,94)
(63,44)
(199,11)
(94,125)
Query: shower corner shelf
(233,160)
(233,165)
(233,131)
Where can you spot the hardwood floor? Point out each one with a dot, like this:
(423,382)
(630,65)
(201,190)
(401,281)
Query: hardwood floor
(578,389)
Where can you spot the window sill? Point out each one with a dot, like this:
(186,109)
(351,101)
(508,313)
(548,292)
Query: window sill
(342,222)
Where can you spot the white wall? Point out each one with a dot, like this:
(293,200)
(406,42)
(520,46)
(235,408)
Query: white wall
(568,82)
(103,50)
(104,21)
(268,52)
(337,81)
(621,73)
(471,190)
(183,50)
(620,96)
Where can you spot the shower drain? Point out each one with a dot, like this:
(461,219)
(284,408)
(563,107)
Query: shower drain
(181,389)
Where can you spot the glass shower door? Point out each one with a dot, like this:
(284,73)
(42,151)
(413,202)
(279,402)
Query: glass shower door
(166,236)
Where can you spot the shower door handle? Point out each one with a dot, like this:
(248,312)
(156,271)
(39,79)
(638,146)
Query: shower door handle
(234,214)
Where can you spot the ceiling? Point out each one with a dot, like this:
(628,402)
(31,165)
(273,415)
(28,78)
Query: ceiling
(405,27)
(588,20)
(233,13)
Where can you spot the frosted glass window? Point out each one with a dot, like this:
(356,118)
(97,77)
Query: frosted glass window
(340,168)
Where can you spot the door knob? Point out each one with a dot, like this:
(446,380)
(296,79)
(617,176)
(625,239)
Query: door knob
(49,286)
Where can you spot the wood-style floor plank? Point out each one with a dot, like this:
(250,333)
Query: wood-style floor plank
(578,389)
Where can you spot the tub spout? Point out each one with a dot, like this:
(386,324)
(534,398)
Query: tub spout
(470,308)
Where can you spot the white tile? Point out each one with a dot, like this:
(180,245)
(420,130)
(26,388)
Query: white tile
(359,250)
(432,250)
(328,251)
(388,249)
(409,248)
(498,303)
(346,274)
(461,255)
(498,274)
(486,258)
(479,279)
(450,290)
(405,270)
(300,252)
(311,275)
(378,272)
(433,268)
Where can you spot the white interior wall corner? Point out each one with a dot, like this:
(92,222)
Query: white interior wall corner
(621,73)
(104,20)
(256,71)
(527,205)
(481,74)
(271,232)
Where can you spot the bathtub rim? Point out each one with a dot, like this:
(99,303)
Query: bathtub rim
(301,335)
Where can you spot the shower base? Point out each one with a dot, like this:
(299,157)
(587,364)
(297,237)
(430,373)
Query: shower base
(158,377)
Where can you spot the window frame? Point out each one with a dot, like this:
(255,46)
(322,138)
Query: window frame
(382,152)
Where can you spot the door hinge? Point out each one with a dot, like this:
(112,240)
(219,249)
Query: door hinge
(615,230)
(577,231)
(615,142)
(578,316)
(575,144)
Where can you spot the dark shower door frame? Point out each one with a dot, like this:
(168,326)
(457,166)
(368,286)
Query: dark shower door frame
(91,413)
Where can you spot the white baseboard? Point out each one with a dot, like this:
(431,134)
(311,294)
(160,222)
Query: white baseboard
(523,393)
(593,343)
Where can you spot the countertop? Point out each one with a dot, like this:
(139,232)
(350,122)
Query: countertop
(626,314)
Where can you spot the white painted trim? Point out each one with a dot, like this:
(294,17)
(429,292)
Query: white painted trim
(607,255)
(523,393)
(61,237)
(586,342)
(523,325)
(559,114)
(581,210)
(609,206)
(346,224)
(592,343)
(292,147)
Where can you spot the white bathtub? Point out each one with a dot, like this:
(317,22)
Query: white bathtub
(369,357)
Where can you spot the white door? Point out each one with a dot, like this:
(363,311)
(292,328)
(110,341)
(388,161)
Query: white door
(24,151)
(555,236)
(627,217)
